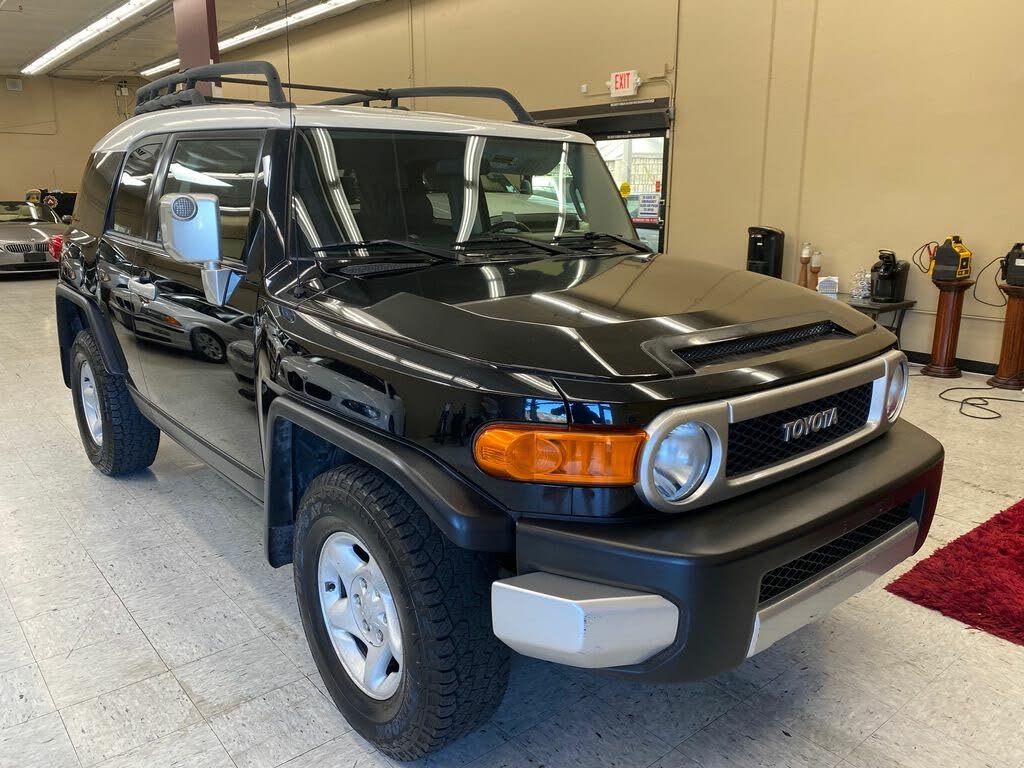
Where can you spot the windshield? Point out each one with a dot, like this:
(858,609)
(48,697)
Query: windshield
(440,189)
(13,210)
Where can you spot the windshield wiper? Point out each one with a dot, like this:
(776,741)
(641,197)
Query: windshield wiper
(384,245)
(590,237)
(506,239)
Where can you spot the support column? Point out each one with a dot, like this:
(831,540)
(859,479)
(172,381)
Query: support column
(947,329)
(195,26)
(1010,372)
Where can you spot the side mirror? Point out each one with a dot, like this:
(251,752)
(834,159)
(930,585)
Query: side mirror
(65,219)
(190,227)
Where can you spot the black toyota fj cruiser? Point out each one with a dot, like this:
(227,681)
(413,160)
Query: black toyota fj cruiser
(477,418)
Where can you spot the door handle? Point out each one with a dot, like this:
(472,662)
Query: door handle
(145,290)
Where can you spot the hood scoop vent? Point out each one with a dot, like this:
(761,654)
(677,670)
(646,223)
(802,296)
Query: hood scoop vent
(371,268)
(776,341)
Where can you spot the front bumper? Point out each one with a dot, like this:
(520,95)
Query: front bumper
(26,262)
(702,571)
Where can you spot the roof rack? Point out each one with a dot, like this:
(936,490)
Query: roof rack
(164,93)
(469,91)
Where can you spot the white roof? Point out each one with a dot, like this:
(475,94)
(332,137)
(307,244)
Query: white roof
(241,116)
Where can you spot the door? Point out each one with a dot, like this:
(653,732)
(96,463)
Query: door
(197,356)
(128,226)
(637,163)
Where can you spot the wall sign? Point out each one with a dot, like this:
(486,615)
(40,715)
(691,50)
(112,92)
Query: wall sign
(624,83)
(649,206)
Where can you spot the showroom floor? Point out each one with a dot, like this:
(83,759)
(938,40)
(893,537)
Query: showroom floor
(140,625)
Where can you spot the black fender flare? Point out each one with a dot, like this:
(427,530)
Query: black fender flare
(92,319)
(465,515)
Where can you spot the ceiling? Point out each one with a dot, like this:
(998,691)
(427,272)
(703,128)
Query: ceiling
(29,28)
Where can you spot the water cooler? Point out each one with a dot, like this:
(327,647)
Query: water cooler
(764,250)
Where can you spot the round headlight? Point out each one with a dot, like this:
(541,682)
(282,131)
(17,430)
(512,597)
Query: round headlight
(896,392)
(681,461)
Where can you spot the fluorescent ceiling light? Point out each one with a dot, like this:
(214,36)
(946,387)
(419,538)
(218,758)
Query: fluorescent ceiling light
(166,66)
(83,36)
(262,30)
(184,173)
(135,181)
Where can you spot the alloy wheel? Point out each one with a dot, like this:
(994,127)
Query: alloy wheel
(209,346)
(90,399)
(359,614)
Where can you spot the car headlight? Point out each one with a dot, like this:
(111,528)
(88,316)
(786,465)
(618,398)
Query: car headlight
(896,391)
(364,410)
(681,461)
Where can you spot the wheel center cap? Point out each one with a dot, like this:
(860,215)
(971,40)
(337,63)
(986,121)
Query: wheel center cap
(367,608)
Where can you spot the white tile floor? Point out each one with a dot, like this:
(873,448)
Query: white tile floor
(140,626)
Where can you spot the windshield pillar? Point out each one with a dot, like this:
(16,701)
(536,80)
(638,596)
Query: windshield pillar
(324,148)
(560,190)
(471,186)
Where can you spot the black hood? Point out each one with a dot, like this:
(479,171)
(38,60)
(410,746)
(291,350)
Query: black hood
(620,318)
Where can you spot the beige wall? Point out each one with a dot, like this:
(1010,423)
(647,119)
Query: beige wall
(540,50)
(914,132)
(47,130)
(856,126)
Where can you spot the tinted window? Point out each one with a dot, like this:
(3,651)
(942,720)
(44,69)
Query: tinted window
(226,168)
(97,184)
(364,185)
(440,189)
(133,189)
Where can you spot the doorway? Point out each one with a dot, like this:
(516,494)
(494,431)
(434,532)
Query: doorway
(633,139)
(637,163)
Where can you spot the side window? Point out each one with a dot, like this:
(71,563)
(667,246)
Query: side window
(224,167)
(133,189)
(97,184)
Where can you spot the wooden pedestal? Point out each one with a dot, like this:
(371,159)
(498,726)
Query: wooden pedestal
(947,329)
(1010,372)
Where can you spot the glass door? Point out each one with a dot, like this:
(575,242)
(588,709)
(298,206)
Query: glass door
(637,163)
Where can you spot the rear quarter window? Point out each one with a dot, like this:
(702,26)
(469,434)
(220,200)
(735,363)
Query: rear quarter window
(133,189)
(94,197)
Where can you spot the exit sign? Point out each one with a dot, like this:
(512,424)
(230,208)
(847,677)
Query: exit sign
(624,83)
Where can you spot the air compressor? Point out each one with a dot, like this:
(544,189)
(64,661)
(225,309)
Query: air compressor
(1012,269)
(952,260)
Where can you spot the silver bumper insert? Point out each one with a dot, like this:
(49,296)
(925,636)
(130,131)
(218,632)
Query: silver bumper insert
(580,623)
(813,600)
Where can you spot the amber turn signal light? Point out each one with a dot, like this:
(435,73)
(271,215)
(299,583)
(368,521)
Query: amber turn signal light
(567,455)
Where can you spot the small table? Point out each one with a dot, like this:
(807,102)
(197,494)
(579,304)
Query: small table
(875,308)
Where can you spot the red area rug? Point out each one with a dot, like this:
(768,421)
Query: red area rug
(977,579)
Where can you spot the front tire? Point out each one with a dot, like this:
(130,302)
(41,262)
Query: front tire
(116,437)
(446,672)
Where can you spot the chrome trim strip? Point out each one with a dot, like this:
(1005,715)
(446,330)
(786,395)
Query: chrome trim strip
(770,401)
(716,417)
(816,597)
(580,623)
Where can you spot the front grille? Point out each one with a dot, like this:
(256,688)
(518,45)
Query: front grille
(27,247)
(758,443)
(796,572)
(724,351)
